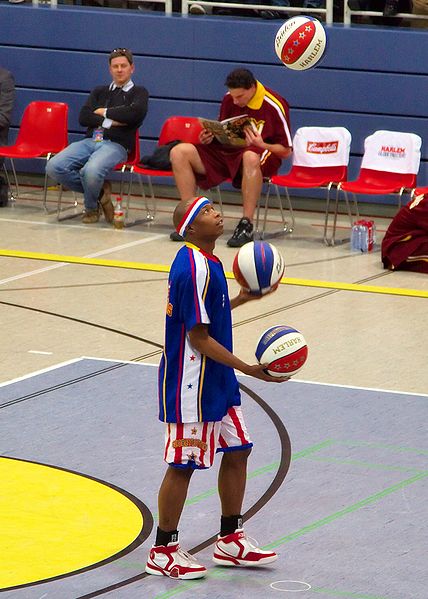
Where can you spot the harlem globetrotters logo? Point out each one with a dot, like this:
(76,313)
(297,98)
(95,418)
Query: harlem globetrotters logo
(322,147)
(392,152)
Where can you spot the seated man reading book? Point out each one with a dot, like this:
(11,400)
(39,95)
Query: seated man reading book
(256,145)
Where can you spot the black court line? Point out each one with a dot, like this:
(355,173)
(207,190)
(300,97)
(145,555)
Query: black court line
(77,285)
(81,321)
(261,502)
(304,301)
(139,539)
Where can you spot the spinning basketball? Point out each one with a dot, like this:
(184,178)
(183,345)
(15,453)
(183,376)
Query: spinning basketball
(258,267)
(284,349)
(300,43)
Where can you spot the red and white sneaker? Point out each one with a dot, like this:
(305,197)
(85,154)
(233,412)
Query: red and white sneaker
(236,550)
(172,561)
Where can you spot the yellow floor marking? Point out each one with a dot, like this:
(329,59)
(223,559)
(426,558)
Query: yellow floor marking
(164,268)
(56,522)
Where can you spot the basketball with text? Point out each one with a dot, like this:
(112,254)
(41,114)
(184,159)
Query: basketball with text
(300,43)
(258,267)
(284,349)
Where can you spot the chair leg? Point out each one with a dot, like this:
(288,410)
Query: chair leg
(153,197)
(128,194)
(15,178)
(45,192)
(150,216)
(332,241)
(8,181)
(58,207)
(286,226)
(219,199)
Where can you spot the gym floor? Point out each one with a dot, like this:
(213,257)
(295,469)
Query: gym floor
(82,317)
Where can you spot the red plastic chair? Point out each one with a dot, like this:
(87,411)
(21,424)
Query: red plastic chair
(42,133)
(183,128)
(390,165)
(320,160)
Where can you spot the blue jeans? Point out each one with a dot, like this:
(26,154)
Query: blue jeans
(84,165)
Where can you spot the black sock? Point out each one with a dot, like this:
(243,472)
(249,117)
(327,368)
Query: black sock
(163,537)
(229,524)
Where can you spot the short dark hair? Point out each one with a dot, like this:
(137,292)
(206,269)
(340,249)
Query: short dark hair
(121,52)
(240,78)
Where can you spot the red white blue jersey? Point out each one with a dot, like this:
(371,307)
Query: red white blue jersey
(192,387)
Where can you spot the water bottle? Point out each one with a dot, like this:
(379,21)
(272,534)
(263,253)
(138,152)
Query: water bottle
(119,217)
(356,238)
(364,239)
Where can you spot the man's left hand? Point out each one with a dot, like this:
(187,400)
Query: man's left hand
(253,138)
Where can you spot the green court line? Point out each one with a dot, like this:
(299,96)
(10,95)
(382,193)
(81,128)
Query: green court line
(361,464)
(345,594)
(264,469)
(348,510)
(399,448)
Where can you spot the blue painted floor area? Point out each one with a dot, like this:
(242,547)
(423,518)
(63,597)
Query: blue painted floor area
(349,521)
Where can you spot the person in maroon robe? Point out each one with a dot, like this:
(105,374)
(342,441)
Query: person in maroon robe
(405,245)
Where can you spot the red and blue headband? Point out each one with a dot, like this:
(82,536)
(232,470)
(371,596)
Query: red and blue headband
(191,213)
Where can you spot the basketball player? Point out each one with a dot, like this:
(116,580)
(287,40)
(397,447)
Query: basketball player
(199,398)
(268,142)
(405,245)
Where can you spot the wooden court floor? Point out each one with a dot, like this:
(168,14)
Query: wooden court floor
(69,291)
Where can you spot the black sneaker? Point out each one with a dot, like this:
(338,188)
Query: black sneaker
(176,236)
(242,234)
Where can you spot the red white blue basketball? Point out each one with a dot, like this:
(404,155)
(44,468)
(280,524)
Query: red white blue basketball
(284,349)
(300,43)
(258,267)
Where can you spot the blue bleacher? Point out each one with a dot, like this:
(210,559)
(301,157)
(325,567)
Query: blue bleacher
(371,77)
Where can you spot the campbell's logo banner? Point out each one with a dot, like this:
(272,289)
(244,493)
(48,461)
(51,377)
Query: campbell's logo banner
(322,147)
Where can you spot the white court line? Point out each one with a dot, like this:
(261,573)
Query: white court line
(63,224)
(26,376)
(241,374)
(42,371)
(360,388)
(94,255)
(38,351)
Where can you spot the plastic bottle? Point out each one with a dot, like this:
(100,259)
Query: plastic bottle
(119,217)
(356,238)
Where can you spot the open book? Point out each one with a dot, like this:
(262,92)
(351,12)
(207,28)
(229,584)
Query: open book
(230,131)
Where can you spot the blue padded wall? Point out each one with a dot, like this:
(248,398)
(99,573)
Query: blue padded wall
(371,77)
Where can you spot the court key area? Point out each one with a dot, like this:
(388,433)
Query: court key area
(81,462)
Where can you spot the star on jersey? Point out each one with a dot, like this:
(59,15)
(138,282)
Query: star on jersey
(194,431)
(192,358)
(192,456)
(189,386)
(308,28)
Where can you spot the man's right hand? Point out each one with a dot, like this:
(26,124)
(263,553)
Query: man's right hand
(205,136)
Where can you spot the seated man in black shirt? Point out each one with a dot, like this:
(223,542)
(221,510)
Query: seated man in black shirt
(112,115)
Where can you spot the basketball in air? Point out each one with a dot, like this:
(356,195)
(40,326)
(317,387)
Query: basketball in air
(300,43)
(258,267)
(284,349)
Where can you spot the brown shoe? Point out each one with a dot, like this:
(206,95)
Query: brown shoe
(106,203)
(90,217)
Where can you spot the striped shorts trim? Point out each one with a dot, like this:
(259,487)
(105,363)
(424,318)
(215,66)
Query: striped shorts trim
(194,444)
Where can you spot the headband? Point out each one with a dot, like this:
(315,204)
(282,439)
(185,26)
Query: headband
(191,213)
